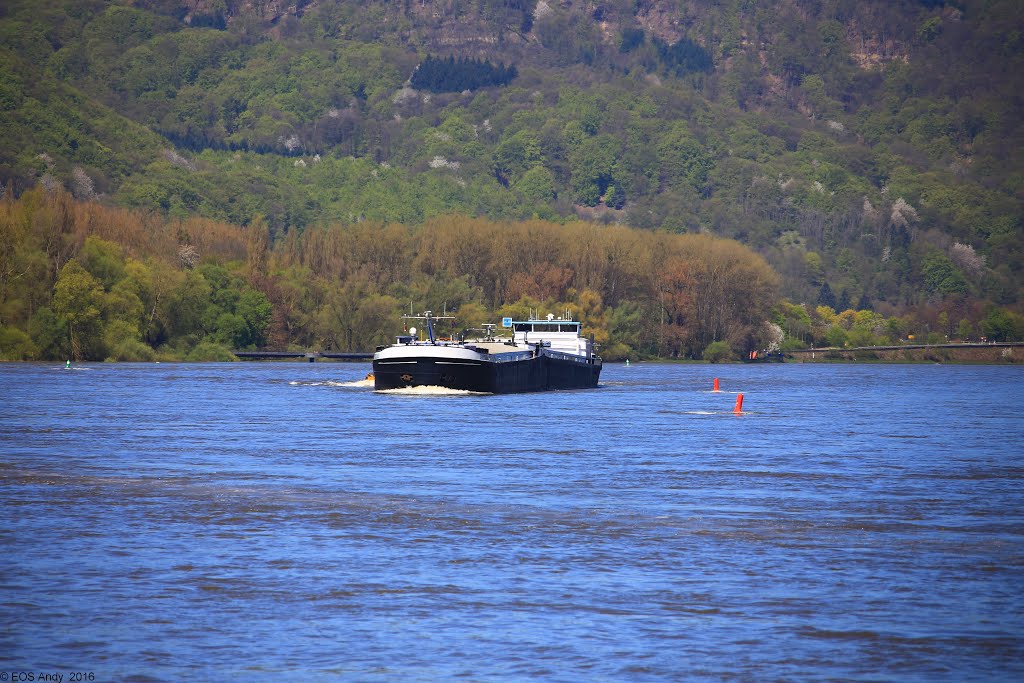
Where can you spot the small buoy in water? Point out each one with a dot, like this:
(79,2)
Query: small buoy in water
(68,366)
(716,385)
(739,404)
(627,362)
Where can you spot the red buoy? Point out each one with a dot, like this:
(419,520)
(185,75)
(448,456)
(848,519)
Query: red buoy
(739,404)
(716,384)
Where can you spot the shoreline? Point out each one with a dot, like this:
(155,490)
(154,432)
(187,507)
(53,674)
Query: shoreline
(994,353)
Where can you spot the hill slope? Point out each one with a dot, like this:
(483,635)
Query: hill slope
(870,150)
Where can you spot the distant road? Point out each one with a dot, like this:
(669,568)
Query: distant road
(959,352)
(904,347)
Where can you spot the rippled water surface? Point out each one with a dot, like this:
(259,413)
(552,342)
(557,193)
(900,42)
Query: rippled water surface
(282,521)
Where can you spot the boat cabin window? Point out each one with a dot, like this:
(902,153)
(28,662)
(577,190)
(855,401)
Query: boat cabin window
(547,327)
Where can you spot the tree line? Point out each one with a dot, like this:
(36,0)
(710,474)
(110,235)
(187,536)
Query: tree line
(86,281)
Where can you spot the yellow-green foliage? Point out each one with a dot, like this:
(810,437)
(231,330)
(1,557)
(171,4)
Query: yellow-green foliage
(90,282)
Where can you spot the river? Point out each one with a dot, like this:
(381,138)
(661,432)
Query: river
(283,521)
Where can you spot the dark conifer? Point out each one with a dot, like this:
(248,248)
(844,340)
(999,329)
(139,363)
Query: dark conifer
(843,303)
(826,297)
(683,57)
(454,75)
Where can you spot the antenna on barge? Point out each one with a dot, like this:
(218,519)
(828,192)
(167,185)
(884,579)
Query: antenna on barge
(430,318)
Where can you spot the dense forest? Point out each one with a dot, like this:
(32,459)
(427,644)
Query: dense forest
(455,75)
(866,154)
(85,281)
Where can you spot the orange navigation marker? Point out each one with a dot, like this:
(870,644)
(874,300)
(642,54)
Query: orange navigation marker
(739,404)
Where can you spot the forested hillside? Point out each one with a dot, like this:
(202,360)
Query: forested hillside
(869,151)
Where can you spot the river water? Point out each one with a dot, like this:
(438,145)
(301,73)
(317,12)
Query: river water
(283,521)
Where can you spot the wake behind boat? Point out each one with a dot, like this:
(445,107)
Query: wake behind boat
(540,355)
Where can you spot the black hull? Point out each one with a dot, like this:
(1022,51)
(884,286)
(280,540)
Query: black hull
(540,373)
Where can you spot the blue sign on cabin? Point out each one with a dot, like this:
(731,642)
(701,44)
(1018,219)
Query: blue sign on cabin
(506,322)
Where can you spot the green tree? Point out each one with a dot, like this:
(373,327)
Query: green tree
(1002,325)
(517,154)
(255,311)
(593,165)
(49,335)
(187,307)
(537,186)
(682,158)
(16,344)
(795,322)
(105,260)
(229,330)
(78,299)
(942,277)
(718,351)
(836,336)
(615,197)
